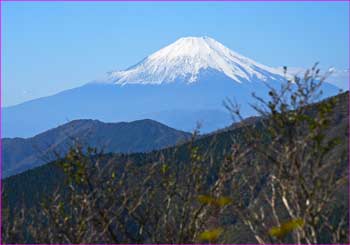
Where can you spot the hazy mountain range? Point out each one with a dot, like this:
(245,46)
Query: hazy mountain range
(179,85)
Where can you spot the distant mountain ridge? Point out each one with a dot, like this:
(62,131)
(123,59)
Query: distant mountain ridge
(21,154)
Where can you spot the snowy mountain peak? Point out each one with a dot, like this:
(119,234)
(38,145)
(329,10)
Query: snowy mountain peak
(184,59)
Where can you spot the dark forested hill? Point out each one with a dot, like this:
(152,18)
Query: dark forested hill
(34,185)
(21,154)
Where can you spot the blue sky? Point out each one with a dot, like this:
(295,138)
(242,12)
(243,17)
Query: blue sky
(50,47)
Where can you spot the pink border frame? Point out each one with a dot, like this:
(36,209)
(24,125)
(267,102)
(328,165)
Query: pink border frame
(174,0)
(156,1)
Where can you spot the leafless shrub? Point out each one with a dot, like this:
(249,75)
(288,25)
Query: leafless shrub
(280,183)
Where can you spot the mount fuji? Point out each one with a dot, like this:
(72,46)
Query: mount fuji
(179,85)
(186,58)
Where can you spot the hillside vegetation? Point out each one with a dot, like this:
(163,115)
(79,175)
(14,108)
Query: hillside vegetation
(280,178)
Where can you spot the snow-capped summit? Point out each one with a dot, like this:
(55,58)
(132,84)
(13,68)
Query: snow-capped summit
(184,59)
